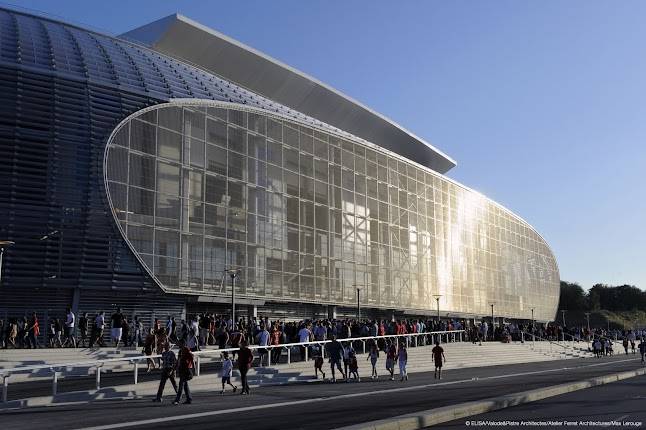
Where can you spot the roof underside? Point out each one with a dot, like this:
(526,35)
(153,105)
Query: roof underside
(187,40)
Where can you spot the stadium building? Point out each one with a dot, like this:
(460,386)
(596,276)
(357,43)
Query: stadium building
(135,170)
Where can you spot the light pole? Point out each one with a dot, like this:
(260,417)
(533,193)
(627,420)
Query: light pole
(437,300)
(358,287)
(587,317)
(563,311)
(233,273)
(493,322)
(4,244)
(533,335)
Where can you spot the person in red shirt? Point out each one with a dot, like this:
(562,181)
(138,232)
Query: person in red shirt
(275,337)
(245,361)
(438,355)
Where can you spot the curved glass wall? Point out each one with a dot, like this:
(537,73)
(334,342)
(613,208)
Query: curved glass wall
(309,216)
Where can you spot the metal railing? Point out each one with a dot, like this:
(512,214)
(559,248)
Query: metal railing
(534,337)
(414,339)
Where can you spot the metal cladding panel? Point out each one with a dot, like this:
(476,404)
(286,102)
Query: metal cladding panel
(185,39)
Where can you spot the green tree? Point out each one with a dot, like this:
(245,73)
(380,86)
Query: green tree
(572,297)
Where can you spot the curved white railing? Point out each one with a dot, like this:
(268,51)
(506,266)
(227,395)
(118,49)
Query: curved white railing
(55,368)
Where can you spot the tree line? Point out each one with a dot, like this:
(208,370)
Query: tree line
(601,296)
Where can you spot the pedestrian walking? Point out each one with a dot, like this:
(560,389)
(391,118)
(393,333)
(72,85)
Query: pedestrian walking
(227,372)
(263,341)
(625,344)
(169,364)
(149,346)
(84,323)
(245,361)
(117,327)
(99,326)
(402,359)
(185,371)
(68,328)
(335,352)
(391,356)
(347,353)
(642,348)
(33,332)
(318,366)
(373,356)
(354,366)
(439,359)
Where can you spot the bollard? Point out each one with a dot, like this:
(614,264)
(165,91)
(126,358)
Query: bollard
(364,346)
(136,364)
(289,355)
(269,351)
(98,377)
(54,382)
(197,365)
(307,350)
(323,350)
(5,387)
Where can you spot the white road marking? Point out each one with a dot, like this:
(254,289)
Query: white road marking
(621,418)
(339,397)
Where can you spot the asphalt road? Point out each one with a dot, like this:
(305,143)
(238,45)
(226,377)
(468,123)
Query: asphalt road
(317,405)
(622,402)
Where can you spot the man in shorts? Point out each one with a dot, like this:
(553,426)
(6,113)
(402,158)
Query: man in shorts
(438,357)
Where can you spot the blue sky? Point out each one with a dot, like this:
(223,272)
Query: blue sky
(543,104)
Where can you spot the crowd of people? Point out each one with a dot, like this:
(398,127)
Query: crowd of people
(210,330)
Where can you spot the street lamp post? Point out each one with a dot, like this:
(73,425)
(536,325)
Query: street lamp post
(493,322)
(563,311)
(587,317)
(437,300)
(4,244)
(233,273)
(358,287)
(533,336)
(358,303)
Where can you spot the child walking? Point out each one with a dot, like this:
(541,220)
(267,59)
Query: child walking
(227,371)
(402,357)
(354,367)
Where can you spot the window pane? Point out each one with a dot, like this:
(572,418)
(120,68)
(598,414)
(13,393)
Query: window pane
(216,159)
(142,137)
(170,144)
(171,118)
(167,178)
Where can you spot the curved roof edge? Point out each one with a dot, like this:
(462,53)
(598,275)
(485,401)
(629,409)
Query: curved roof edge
(187,40)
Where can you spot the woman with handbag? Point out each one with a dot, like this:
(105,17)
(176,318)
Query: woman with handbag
(185,370)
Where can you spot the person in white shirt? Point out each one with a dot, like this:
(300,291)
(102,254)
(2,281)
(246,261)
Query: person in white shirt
(227,371)
(99,326)
(304,335)
(69,329)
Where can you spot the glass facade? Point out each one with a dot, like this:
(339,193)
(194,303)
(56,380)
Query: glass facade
(308,216)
